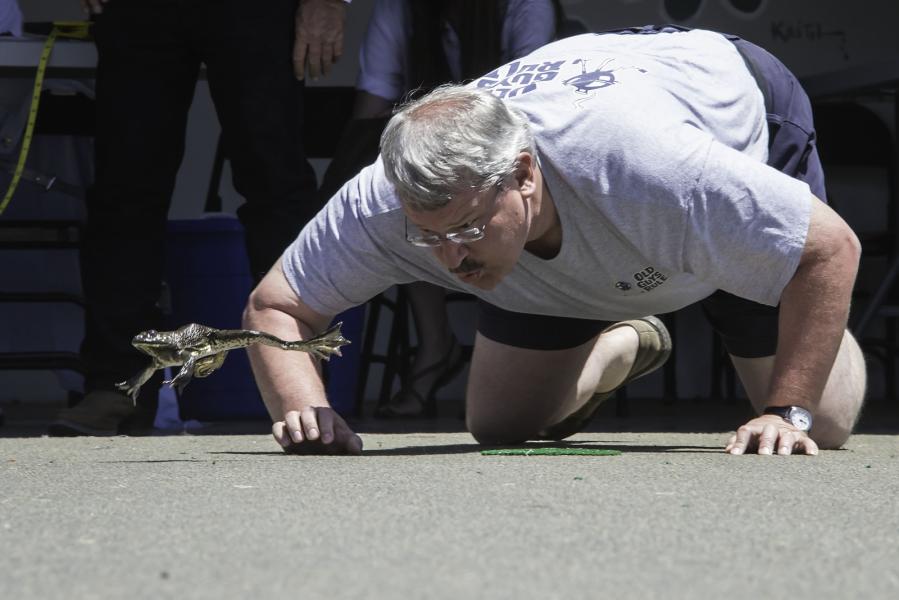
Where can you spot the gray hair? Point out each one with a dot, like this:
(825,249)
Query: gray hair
(451,142)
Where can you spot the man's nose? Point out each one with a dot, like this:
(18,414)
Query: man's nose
(451,254)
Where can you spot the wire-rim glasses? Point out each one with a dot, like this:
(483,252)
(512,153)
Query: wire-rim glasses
(472,233)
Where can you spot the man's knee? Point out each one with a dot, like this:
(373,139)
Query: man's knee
(498,434)
(835,420)
(830,434)
(843,397)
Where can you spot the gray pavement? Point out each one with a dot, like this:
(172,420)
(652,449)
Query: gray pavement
(425,515)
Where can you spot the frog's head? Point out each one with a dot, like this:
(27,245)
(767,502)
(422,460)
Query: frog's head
(151,340)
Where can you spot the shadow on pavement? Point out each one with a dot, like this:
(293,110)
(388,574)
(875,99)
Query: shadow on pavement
(473,448)
(880,416)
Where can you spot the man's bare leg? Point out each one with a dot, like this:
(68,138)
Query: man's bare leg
(841,402)
(514,393)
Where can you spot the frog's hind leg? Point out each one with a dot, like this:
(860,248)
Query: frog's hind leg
(320,346)
(323,345)
(208,364)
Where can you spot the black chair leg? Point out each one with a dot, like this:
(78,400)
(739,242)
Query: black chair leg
(365,362)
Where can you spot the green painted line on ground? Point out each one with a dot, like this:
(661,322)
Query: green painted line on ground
(551,452)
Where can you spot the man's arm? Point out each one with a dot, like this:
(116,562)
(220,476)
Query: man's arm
(290,382)
(814,310)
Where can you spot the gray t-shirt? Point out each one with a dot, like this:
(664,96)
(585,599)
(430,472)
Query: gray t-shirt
(653,149)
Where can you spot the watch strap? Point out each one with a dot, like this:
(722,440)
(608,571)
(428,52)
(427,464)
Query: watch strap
(780,411)
(790,414)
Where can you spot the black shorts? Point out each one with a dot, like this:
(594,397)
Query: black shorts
(748,329)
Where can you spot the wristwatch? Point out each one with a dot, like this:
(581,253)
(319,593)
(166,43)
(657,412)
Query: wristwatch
(796,416)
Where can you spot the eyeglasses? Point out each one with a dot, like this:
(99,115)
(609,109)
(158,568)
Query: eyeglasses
(469,234)
(432,240)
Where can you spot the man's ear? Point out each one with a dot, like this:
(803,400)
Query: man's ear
(525,173)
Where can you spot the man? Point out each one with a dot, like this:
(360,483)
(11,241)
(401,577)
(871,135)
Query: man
(149,58)
(601,178)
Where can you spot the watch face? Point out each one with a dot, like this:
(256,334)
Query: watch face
(800,418)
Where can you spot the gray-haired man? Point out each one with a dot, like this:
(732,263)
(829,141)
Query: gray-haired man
(597,180)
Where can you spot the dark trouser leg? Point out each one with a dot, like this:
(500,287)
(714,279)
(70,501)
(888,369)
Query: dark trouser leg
(247,50)
(145,82)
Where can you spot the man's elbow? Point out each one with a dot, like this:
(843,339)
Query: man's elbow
(252,311)
(841,250)
(852,247)
(246,319)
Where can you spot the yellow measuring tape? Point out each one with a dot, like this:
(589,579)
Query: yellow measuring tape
(61,29)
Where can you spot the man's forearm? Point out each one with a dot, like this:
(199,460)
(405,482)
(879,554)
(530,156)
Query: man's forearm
(813,314)
(286,380)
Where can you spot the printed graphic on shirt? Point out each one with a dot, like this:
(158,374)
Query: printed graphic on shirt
(518,78)
(644,280)
(588,82)
(648,279)
(594,80)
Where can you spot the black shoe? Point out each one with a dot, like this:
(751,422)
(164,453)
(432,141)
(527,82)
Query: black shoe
(100,413)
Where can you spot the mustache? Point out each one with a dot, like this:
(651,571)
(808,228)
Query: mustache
(467,266)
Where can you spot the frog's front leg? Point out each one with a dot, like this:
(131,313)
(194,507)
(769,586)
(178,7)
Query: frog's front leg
(184,375)
(132,386)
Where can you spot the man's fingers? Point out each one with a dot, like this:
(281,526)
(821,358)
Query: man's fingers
(346,438)
(314,58)
(327,58)
(807,445)
(769,436)
(786,443)
(337,50)
(299,45)
(316,430)
(767,439)
(332,52)
(279,432)
(325,425)
(294,427)
(299,58)
(309,419)
(354,445)
(730,443)
(741,440)
(794,441)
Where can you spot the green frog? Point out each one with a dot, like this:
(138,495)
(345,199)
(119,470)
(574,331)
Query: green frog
(200,350)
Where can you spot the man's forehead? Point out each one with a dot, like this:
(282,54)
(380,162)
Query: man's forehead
(452,213)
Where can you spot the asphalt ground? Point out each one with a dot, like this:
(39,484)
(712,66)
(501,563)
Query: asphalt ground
(426,515)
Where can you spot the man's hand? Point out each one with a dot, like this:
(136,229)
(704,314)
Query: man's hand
(316,430)
(93,6)
(319,36)
(768,433)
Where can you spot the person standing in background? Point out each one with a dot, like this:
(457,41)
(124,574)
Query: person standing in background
(149,58)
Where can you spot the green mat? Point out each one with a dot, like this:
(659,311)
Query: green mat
(551,452)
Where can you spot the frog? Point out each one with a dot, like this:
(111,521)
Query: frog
(200,350)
